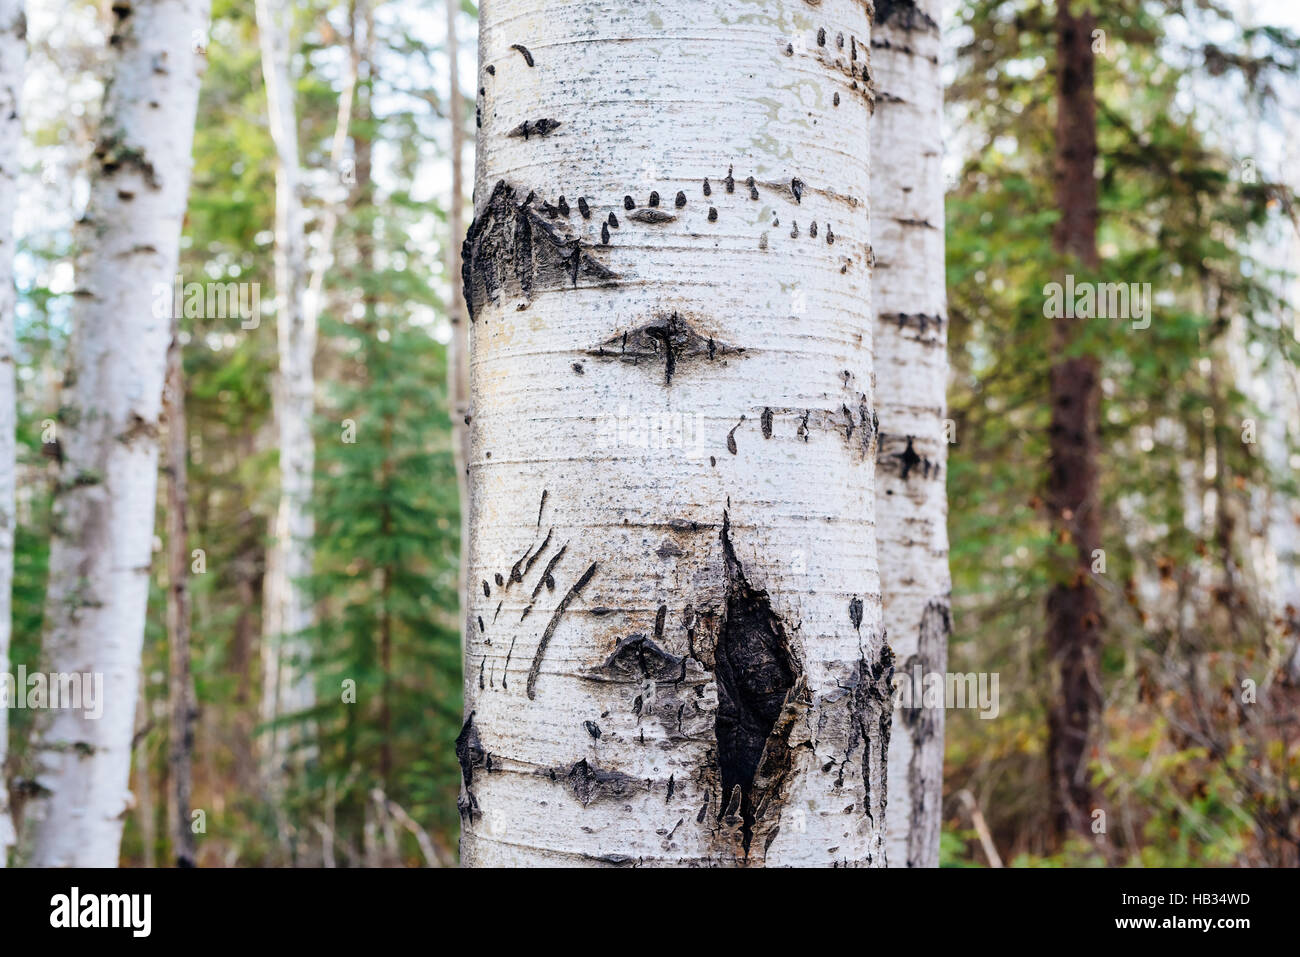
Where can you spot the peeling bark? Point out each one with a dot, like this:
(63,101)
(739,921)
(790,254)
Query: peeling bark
(677,682)
(911,376)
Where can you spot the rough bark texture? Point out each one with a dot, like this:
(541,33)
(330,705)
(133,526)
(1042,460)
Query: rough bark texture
(287,687)
(674,652)
(108,428)
(911,379)
(1073,613)
(180,742)
(13,50)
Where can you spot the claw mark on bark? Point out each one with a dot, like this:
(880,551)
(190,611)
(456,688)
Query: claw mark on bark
(573,592)
(756,670)
(537,554)
(731,436)
(505,669)
(669,338)
(546,578)
(528,57)
(511,248)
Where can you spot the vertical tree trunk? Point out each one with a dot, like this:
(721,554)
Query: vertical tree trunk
(458,348)
(144,813)
(1073,613)
(180,740)
(676,653)
(13,53)
(287,686)
(108,427)
(911,379)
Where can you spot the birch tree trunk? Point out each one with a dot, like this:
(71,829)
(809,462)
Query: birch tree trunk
(911,380)
(13,52)
(458,348)
(287,687)
(675,651)
(180,685)
(108,428)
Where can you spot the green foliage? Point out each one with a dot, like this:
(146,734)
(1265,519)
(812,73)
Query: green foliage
(1176,213)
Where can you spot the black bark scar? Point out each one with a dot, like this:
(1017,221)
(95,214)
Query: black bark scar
(512,249)
(670,338)
(470,755)
(756,669)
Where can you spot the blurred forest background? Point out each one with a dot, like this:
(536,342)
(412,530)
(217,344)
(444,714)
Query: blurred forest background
(1197,760)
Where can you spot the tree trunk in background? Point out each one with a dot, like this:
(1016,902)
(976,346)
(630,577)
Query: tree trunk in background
(677,652)
(143,811)
(287,686)
(13,53)
(180,740)
(108,427)
(911,379)
(1073,613)
(458,348)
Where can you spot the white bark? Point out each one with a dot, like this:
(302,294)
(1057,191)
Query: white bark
(911,379)
(13,50)
(287,686)
(458,347)
(659,619)
(108,432)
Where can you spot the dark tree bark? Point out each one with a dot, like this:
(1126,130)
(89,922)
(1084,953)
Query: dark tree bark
(1073,614)
(180,750)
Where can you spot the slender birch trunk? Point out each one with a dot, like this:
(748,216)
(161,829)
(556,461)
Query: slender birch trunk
(180,686)
(1073,611)
(13,53)
(287,686)
(676,654)
(911,380)
(458,349)
(112,397)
